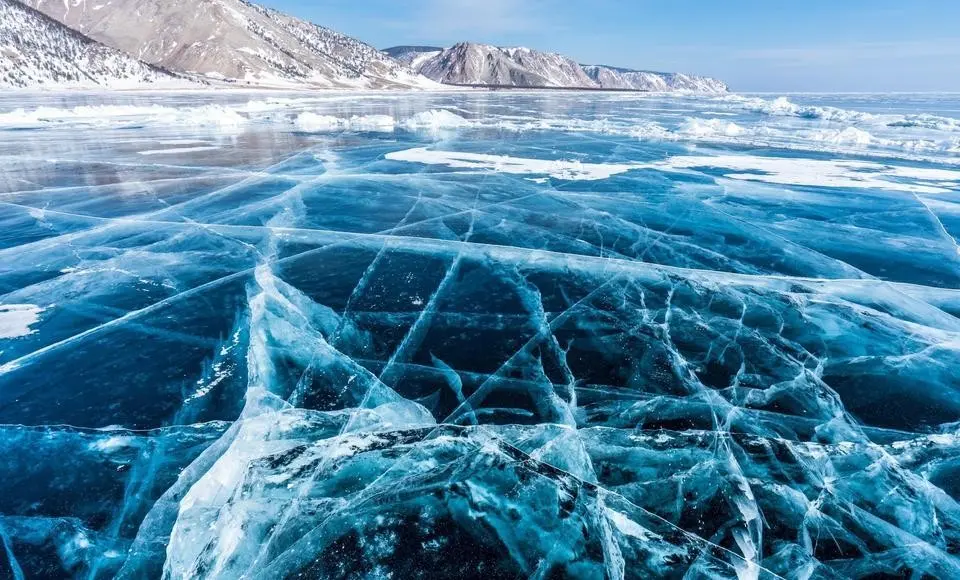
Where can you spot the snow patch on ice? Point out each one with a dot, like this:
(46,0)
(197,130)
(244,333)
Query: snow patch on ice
(175,150)
(16,320)
(776,170)
(568,170)
(823,173)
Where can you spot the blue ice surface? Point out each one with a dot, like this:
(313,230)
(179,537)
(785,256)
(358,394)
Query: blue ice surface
(253,335)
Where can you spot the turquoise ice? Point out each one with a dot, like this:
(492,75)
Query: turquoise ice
(479,335)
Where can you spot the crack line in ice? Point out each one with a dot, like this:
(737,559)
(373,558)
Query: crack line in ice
(502,252)
(506,252)
(97,188)
(17,363)
(626,310)
(489,385)
(938,223)
(155,213)
(370,494)
(412,336)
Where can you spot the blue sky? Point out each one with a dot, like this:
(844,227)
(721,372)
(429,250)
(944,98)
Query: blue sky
(754,45)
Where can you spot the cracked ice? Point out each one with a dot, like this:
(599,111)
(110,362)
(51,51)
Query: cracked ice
(478,335)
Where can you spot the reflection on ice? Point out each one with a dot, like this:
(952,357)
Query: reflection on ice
(516,335)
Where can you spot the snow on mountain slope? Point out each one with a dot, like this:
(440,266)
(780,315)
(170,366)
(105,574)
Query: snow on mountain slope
(481,64)
(413,56)
(233,40)
(610,77)
(37,51)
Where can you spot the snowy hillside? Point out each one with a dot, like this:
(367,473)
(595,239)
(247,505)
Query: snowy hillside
(481,64)
(233,40)
(484,64)
(609,77)
(36,51)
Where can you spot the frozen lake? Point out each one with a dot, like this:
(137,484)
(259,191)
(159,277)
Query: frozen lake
(479,335)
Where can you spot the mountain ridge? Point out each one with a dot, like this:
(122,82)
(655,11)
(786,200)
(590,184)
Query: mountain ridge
(233,41)
(485,64)
(38,51)
(128,43)
(478,64)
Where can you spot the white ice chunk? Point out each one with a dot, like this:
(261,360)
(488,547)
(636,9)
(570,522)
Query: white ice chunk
(314,123)
(436,120)
(373,123)
(711,128)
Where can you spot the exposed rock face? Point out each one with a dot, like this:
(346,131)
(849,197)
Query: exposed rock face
(483,64)
(232,40)
(37,51)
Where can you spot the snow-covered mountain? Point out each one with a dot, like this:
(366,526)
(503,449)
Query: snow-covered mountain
(609,77)
(482,64)
(37,51)
(113,43)
(232,40)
